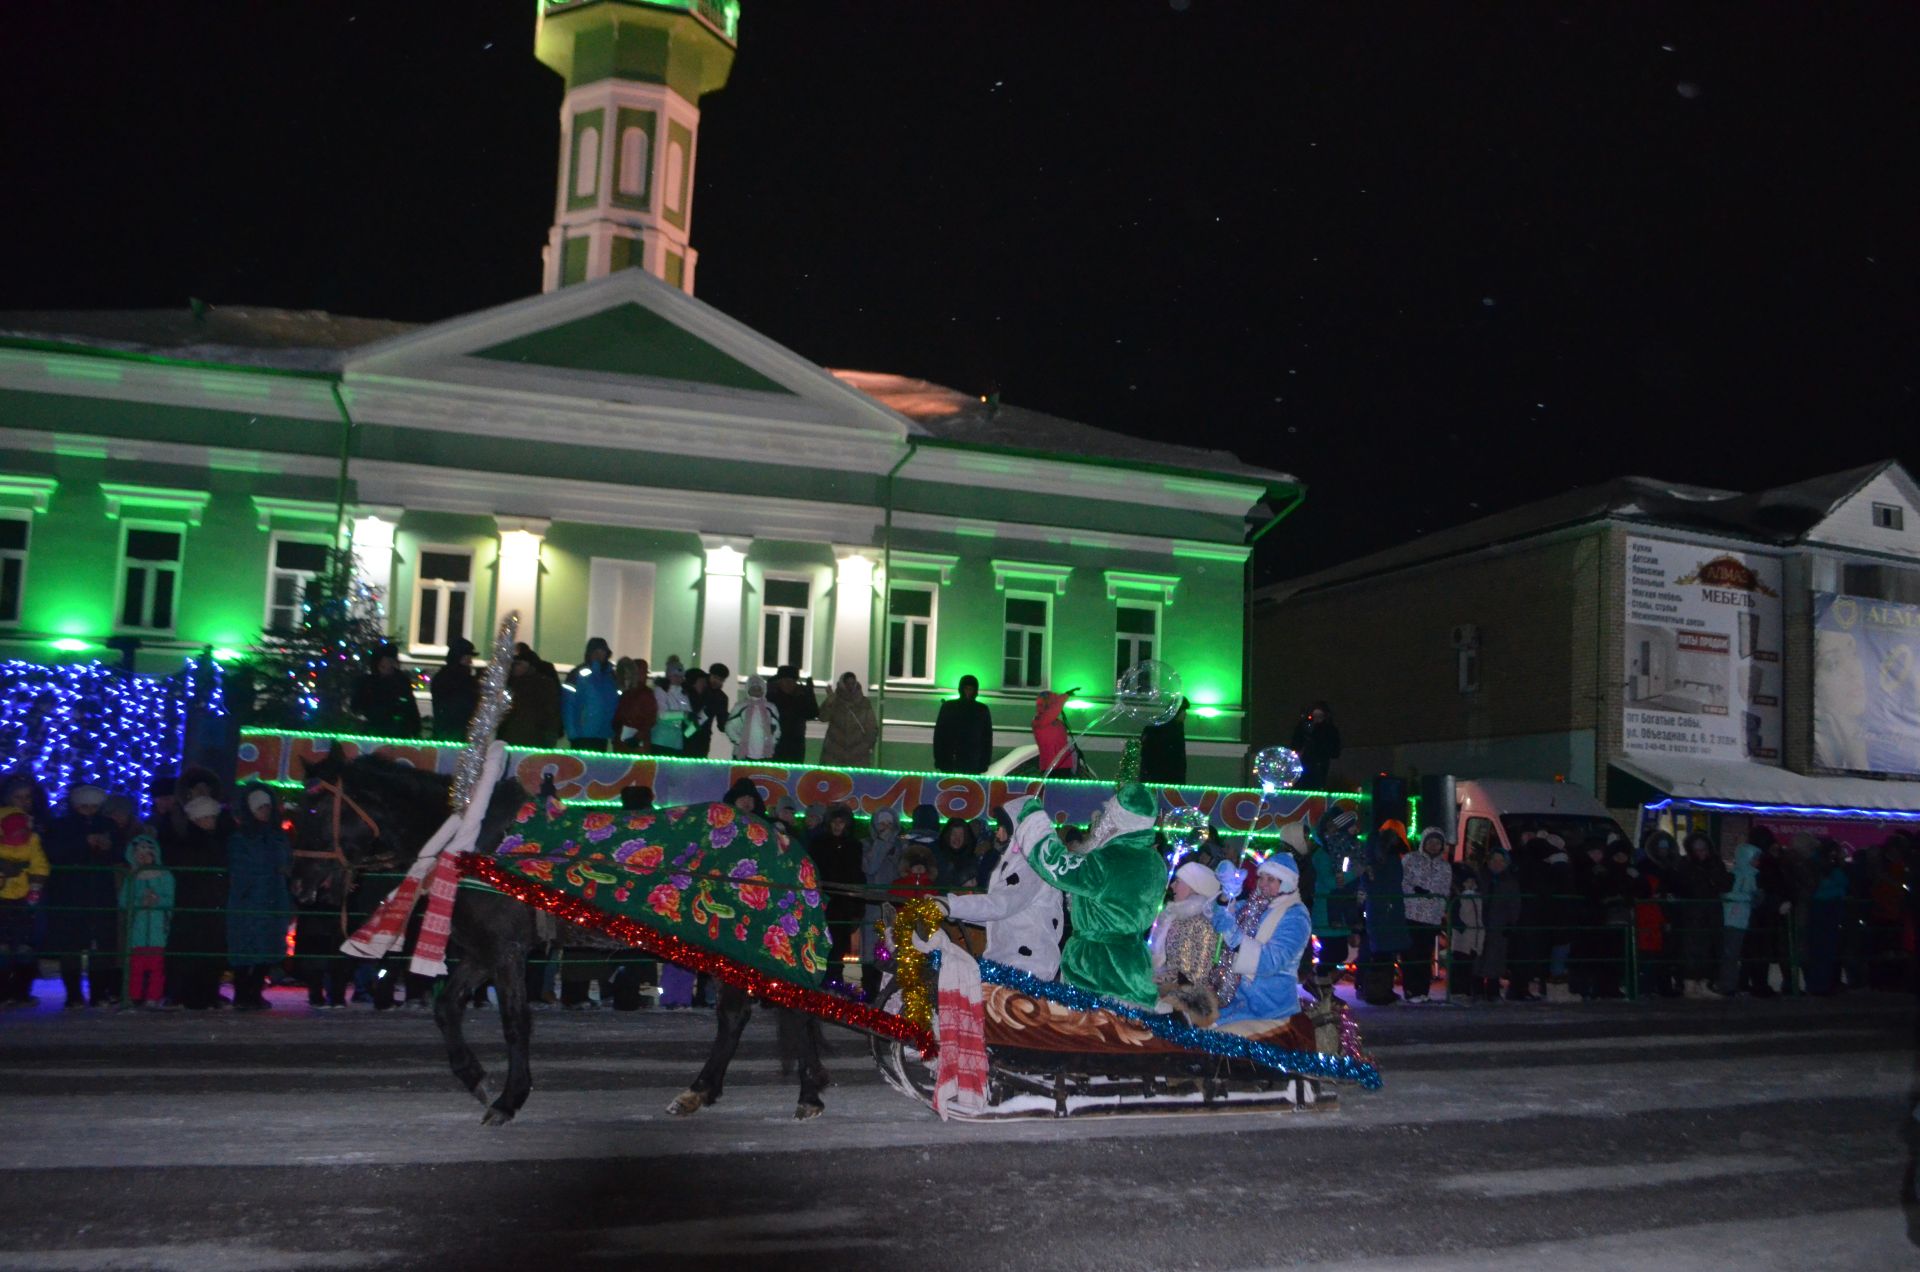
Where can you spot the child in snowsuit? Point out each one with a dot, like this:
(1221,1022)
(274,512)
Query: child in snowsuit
(23,875)
(147,899)
(755,727)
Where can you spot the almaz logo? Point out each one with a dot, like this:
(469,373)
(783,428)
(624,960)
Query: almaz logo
(1722,578)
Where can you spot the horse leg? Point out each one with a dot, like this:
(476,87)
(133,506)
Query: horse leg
(804,1031)
(516,1022)
(730,1021)
(448,1012)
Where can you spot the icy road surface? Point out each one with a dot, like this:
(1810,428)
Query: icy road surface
(1681,1135)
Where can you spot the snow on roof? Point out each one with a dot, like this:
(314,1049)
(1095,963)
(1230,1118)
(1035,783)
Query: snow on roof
(949,415)
(233,335)
(1735,781)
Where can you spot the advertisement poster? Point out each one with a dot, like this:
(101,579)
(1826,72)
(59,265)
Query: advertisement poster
(277,757)
(1703,640)
(1866,685)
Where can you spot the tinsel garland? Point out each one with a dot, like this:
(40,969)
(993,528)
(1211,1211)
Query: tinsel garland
(1350,1067)
(495,698)
(911,970)
(772,989)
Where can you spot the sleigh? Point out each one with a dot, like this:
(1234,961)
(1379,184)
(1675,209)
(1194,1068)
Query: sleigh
(1056,1051)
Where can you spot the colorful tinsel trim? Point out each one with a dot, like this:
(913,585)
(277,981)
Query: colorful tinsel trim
(782,993)
(1312,1064)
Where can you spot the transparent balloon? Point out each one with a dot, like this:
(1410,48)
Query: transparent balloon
(1185,829)
(1148,693)
(1278,767)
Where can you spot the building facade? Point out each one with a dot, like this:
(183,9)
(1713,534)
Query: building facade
(1664,646)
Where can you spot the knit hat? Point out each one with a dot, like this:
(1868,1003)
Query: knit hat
(884,814)
(926,820)
(1399,828)
(1281,866)
(202,806)
(86,797)
(259,798)
(145,841)
(15,827)
(1294,836)
(1199,878)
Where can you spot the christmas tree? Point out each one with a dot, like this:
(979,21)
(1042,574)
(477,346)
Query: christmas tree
(303,678)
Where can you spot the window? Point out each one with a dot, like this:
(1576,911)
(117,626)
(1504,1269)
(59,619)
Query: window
(1136,628)
(1881,583)
(586,163)
(676,174)
(1026,641)
(1469,670)
(910,615)
(149,576)
(291,565)
(442,597)
(14,533)
(1479,838)
(633,161)
(783,624)
(1889,517)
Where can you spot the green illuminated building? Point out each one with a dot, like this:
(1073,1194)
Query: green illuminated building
(614,459)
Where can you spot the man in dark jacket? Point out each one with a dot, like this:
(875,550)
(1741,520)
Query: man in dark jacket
(797,704)
(384,697)
(963,732)
(1317,741)
(83,898)
(533,718)
(1163,750)
(456,692)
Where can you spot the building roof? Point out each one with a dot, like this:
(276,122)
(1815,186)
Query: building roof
(1779,515)
(949,415)
(230,335)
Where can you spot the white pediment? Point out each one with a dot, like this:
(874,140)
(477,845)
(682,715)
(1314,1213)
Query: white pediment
(1882,516)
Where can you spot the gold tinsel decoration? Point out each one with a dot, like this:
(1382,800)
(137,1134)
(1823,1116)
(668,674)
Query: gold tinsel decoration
(909,964)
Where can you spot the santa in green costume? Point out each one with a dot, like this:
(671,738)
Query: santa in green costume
(1117,884)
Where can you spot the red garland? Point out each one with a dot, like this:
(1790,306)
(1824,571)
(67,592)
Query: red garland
(772,989)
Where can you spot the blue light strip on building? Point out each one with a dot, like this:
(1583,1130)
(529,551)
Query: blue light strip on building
(1789,810)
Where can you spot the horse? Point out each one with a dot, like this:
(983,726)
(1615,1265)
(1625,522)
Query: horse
(373,813)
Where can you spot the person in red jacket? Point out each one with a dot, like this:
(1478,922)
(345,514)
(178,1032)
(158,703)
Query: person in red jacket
(1057,755)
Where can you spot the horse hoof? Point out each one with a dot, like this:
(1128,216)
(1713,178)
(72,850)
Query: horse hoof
(496,1117)
(687,1103)
(802,1112)
(480,1093)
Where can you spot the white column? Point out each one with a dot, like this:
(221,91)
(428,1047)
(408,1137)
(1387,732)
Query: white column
(720,612)
(517,587)
(853,613)
(373,552)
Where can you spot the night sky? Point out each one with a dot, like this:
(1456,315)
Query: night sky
(1436,259)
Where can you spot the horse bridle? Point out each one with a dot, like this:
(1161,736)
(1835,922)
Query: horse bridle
(333,851)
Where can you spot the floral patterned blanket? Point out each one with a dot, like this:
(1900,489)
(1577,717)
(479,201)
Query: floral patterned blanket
(705,873)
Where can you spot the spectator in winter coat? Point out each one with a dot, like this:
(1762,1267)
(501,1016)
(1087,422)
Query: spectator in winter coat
(673,711)
(634,715)
(1736,915)
(1502,912)
(83,910)
(1021,913)
(852,728)
(1826,908)
(533,718)
(26,795)
(146,900)
(714,706)
(963,732)
(797,703)
(755,727)
(259,903)
(383,698)
(456,692)
(1185,946)
(1700,882)
(1466,939)
(699,724)
(1336,865)
(836,853)
(1163,749)
(23,880)
(1605,908)
(880,865)
(1429,883)
(590,698)
(196,849)
(1386,937)
(1558,903)
(958,853)
(1317,741)
(1054,743)
(916,878)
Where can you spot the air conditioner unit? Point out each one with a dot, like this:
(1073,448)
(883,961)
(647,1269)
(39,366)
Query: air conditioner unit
(1466,636)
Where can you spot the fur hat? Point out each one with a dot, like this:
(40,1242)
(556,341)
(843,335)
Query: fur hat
(1199,878)
(202,806)
(918,855)
(86,797)
(1294,836)
(1280,866)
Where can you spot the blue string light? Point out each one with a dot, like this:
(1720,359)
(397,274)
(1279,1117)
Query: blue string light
(94,724)
(1310,1064)
(1789,810)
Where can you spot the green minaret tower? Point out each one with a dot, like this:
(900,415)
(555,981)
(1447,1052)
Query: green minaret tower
(629,127)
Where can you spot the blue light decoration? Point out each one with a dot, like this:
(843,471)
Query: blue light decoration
(95,724)
(1790,810)
(1312,1064)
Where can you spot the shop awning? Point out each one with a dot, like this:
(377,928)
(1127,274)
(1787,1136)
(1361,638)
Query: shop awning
(1762,788)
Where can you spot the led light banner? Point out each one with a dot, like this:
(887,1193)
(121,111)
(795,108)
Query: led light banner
(1866,685)
(577,775)
(1703,640)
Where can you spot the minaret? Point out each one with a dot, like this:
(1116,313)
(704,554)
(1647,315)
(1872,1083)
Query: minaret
(629,125)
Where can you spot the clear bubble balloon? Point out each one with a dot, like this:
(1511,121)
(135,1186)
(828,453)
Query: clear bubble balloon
(1185,829)
(1148,693)
(1278,767)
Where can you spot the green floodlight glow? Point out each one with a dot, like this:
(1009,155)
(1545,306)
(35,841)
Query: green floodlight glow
(71,644)
(1206,713)
(224,654)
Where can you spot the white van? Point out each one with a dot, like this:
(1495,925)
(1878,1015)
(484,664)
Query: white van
(1498,812)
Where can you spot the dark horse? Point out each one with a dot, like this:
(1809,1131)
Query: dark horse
(377,813)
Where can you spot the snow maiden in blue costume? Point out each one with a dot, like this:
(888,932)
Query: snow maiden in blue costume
(1267,933)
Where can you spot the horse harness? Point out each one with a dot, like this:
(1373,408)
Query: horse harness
(333,852)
